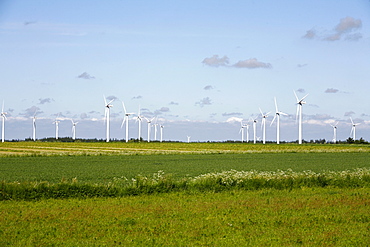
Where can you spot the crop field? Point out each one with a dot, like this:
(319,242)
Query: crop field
(181,194)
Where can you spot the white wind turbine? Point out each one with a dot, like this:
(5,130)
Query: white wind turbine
(56,122)
(125,120)
(149,121)
(188,138)
(353,130)
(3,115)
(139,118)
(106,115)
(263,125)
(155,129)
(335,132)
(74,129)
(34,127)
(254,130)
(161,126)
(300,102)
(242,130)
(277,117)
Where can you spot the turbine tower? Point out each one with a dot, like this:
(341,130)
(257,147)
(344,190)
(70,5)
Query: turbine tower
(335,132)
(149,121)
(353,130)
(161,126)
(34,127)
(126,120)
(188,138)
(3,115)
(106,115)
(74,129)
(277,117)
(254,130)
(139,118)
(300,102)
(56,122)
(242,130)
(263,125)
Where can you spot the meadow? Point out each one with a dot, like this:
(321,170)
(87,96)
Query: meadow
(183,194)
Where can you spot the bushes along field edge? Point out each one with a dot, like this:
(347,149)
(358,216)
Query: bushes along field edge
(163,183)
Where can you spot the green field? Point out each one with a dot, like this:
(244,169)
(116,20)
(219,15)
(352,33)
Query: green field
(326,206)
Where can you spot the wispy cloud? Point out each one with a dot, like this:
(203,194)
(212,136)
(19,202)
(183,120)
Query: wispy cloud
(216,61)
(302,65)
(231,114)
(331,90)
(301,90)
(86,76)
(252,63)
(137,97)
(173,103)
(345,28)
(32,111)
(204,101)
(349,113)
(44,101)
(208,87)
(161,111)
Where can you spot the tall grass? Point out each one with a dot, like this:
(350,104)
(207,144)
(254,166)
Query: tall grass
(164,183)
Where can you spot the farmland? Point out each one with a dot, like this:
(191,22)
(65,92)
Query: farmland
(288,194)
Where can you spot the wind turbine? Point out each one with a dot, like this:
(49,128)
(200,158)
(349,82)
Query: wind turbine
(335,132)
(188,138)
(277,117)
(161,126)
(139,118)
(126,120)
(155,129)
(107,114)
(34,127)
(149,121)
(353,130)
(3,115)
(242,130)
(254,130)
(263,125)
(74,129)
(56,122)
(300,102)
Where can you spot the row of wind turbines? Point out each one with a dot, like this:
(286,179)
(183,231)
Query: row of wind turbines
(300,103)
(125,121)
(139,118)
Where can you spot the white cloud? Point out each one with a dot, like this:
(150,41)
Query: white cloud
(86,76)
(46,100)
(204,101)
(252,63)
(208,87)
(331,90)
(348,24)
(216,61)
(310,34)
(234,119)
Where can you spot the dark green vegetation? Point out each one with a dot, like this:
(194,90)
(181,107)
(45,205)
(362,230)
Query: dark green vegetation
(305,217)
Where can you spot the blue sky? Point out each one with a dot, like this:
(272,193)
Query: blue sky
(199,66)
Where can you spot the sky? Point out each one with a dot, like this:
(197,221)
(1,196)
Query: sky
(198,67)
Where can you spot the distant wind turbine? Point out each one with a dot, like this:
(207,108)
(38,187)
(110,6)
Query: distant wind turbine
(74,129)
(56,122)
(335,132)
(188,138)
(300,102)
(34,127)
(254,130)
(242,130)
(3,115)
(106,115)
(161,126)
(277,117)
(353,130)
(263,125)
(125,120)
(139,118)
(149,121)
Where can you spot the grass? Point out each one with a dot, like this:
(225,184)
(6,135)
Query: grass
(307,217)
(287,195)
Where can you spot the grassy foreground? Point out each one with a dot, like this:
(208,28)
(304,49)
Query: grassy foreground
(305,217)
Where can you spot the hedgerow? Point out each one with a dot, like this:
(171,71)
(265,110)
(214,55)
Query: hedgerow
(165,183)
